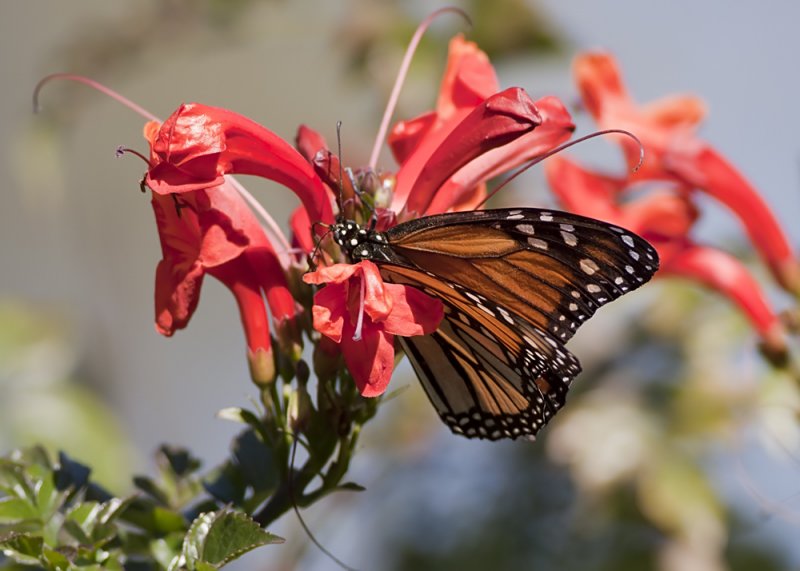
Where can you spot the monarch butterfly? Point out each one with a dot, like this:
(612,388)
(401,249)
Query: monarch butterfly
(515,284)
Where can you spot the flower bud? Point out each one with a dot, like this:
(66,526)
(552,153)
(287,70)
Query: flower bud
(262,366)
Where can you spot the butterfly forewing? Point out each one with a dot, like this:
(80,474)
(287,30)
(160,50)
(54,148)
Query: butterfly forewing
(554,269)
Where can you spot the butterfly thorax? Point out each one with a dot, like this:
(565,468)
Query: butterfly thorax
(359,243)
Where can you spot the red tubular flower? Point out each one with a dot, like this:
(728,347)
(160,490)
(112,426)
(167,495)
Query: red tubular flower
(214,232)
(198,145)
(665,219)
(474,134)
(363,314)
(445,159)
(674,152)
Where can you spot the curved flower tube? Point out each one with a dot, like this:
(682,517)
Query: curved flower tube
(665,219)
(214,232)
(667,129)
(198,145)
(443,154)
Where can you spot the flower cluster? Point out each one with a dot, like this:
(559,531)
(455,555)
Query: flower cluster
(208,223)
(678,164)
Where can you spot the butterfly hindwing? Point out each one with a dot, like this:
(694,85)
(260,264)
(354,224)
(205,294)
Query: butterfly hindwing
(487,374)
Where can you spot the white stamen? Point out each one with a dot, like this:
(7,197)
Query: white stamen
(360,322)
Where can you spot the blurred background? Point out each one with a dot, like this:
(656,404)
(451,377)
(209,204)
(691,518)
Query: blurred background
(679,447)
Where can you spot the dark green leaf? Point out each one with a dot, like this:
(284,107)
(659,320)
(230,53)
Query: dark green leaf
(179,460)
(255,461)
(74,529)
(351,487)
(149,487)
(70,474)
(226,484)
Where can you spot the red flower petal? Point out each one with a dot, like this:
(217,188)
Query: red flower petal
(711,172)
(198,144)
(334,274)
(556,128)
(330,310)
(727,275)
(378,301)
(497,121)
(309,142)
(369,360)
(413,312)
(468,80)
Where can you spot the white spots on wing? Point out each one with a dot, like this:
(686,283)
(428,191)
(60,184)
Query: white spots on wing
(537,243)
(546,216)
(628,240)
(634,254)
(567,227)
(512,216)
(573,307)
(569,238)
(619,280)
(575,293)
(485,309)
(365,252)
(526,229)
(617,229)
(629,269)
(589,266)
(505,315)
(593,288)
(354,242)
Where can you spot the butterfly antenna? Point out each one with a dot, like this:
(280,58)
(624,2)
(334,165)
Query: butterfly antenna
(313,255)
(290,488)
(341,176)
(564,147)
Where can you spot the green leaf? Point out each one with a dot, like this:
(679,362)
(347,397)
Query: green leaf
(256,463)
(85,515)
(217,538)
(351,487)
(13,480)
(244,416)
(179,460)
(149,487)
(48,498)
(22,548)
(71,474)
(114,508)
(55,559)
(13,510)
(226,484)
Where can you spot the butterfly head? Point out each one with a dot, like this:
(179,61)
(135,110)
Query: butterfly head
(358,242)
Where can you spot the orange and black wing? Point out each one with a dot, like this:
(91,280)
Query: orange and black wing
(488,373)
(515,284)
(553,269)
